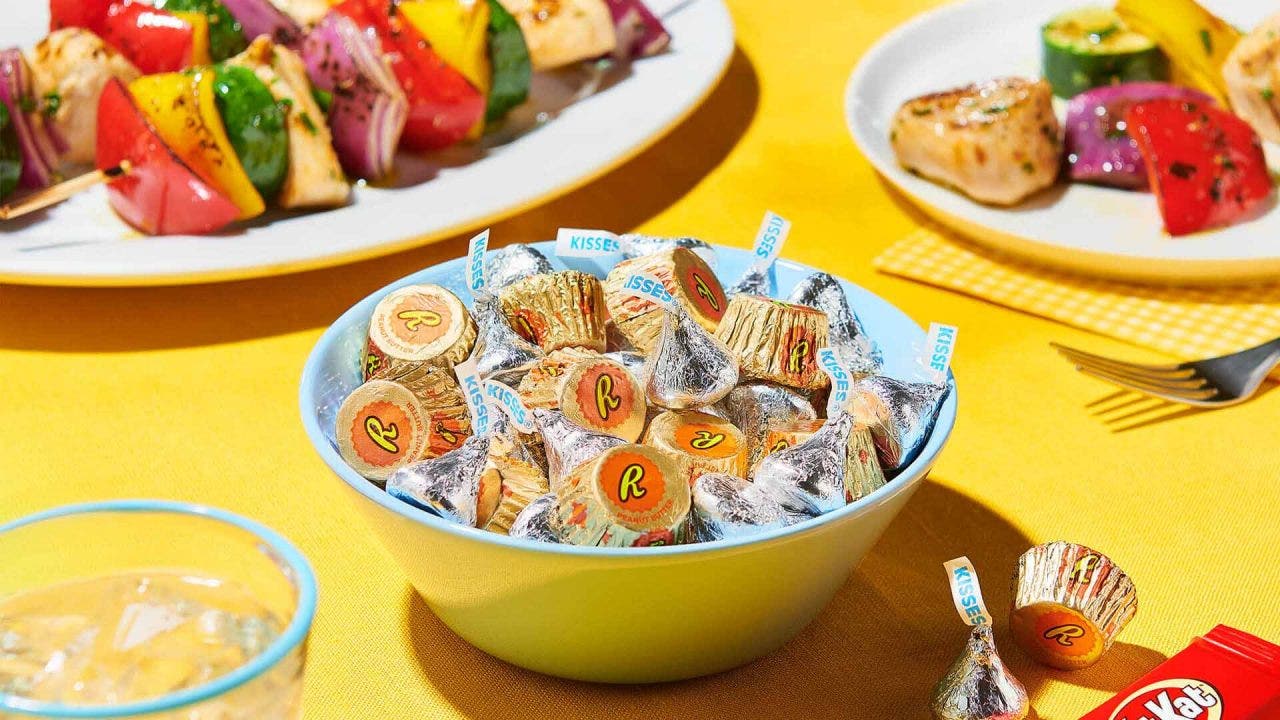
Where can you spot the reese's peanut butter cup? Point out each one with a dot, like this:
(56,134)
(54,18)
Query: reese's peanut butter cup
(775,341)
(755,407)
(630,496)
(689,367)
(635,245)
(539,521)
(447,429)
(453,486)
(603,396)
(434,385)
(784,435)
(381,427)
(1069,604)
(520,483)
(688,279)
(701,443)
(725,506)
(557,310)
(418,324)
(857,351)
(540,387)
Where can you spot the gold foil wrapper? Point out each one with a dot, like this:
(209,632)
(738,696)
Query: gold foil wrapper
(447,429)
(700,443)
(520,483)
(603,396)
(686,276)
(630,496)
(540,387)
(862,475)
(1069,604)
(775,341)
(557,310)
(380,428)
(417,324)
(434,385)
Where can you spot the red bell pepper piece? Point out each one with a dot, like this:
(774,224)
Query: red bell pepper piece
(159,195)
(156,41)
(443,106)
(87,14)
(1205,165)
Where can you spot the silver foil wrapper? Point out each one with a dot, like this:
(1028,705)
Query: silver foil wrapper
(635,245)
(568,445)
(755,281)
(513,262)
(809,478)
(725,507)
(912,409)
(539,521)
(979,686)
(753,408)
(448,486)
(858,353)
(690,367)
(502,354)
(634,362)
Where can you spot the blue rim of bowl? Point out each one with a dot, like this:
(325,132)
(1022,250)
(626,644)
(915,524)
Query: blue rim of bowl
(359,312)
(294,634)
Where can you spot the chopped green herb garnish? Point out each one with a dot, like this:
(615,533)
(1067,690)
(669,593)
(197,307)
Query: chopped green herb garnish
(307,123)
(1267,94)
(324,99)
(1097,36)
(286,103)
(995,109)
(27,104)
(52,101)
(1028,168)
(1207,40)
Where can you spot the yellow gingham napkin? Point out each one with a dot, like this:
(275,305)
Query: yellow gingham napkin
(1189,323)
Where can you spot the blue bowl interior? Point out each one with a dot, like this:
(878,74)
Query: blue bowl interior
(333,371)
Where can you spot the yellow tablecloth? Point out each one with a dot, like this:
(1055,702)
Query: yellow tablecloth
(190,393)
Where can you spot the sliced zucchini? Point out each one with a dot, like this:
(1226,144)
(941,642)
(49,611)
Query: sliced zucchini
(1091,47)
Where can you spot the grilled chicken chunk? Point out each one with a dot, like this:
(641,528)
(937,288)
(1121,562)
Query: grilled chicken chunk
(69,68)
(314,177)
(1252,73)
(560,32)
(997,142)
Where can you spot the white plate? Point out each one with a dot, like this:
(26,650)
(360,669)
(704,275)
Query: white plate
(81,242)
(1092,230)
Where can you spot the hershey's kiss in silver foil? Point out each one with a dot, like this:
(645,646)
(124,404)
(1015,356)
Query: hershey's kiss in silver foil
(448,486)
(690,367)
(725,506)
(858,353)
(634,246)
(809,478)
(908,411)
(502,354)
(634,362)
(539,520)
(979,686)
(753,408)
(756,280)
(568,444)
(514,262)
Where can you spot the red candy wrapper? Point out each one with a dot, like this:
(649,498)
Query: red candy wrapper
(1225,675)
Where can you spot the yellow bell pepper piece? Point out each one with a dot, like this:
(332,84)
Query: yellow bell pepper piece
(199,23)
(458,31)
(1196,41)
(182,109)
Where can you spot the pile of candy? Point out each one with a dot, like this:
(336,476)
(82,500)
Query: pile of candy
(651,407)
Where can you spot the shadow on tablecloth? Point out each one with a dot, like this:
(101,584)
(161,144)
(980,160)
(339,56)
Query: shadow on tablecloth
(126,319)
(875,652)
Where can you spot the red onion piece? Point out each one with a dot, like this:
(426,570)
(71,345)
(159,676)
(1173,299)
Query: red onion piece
(260,17)
(369,109)
(39,152)
(640,32)
(1098,148)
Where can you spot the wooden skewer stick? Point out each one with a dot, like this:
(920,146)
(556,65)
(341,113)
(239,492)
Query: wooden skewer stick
(55,194)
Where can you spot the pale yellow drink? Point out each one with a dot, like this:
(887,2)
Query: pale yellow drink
(137,636)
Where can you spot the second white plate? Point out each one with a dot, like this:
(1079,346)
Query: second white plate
(1086,229)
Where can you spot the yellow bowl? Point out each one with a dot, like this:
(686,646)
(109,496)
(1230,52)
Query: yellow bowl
(620,615)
